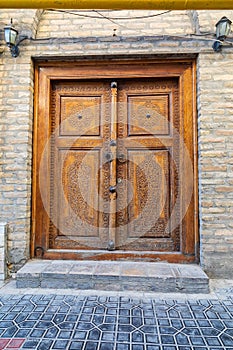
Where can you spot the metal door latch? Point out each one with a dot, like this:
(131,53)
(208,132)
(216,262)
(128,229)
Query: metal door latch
(111,245)
(112,189)
(39,252)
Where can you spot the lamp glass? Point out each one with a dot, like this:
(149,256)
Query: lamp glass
(223,28)
(10,35)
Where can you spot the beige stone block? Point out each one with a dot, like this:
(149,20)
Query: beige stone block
(226,189)
(214,168)
(213,210)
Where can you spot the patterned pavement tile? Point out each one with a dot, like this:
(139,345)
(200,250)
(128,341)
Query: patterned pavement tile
(43,322)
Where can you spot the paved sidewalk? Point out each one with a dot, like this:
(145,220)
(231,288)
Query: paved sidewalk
(94,320)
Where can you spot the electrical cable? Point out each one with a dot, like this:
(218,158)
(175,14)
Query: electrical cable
(112,18)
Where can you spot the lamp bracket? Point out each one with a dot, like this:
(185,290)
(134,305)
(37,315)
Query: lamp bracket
(217,46)
(15,48)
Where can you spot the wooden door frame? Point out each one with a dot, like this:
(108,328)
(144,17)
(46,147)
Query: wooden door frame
(184,70)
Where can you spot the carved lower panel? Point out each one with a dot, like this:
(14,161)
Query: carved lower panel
(144,205)
(78,197)
(149,176)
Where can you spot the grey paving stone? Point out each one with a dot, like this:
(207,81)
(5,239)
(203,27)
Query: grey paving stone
(116,322)
(64,335)
(137,337)
(107,346)
(122,346)
(45,344)
(75,345)
(182,339)
(81,335)
(137,346)
(31,344)
(51,333)
(108,336)
(37,333)
(10,332)
(60,344)
(226,340)
(124,337)
(91,346)
(213,341)
(22,333)
(167,339)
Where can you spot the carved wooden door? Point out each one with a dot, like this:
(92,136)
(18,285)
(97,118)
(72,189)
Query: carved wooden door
(113,170)
(79,176)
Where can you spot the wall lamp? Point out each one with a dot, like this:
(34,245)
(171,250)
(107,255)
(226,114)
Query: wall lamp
(223,29)
(13,40)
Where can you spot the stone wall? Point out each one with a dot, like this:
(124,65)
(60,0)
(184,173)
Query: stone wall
(60,35)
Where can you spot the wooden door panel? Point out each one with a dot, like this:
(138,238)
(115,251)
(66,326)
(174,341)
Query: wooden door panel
(80,115)
(148,114)
(78,173)
(79,108)
(144,197)
(149,175)
(78,197)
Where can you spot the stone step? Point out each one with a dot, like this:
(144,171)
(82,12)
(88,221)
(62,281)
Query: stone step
(113,276)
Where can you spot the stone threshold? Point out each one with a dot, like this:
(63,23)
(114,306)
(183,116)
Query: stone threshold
(113,276)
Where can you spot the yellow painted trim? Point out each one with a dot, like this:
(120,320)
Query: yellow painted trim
(119,4)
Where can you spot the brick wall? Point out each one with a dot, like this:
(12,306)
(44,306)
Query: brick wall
(60,34)
(215,161)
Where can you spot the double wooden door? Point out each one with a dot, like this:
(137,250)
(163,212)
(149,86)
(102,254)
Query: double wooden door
(114,167)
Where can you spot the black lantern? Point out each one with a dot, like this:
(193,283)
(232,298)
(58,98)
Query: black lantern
(13,40)
(223,29)
(11,35)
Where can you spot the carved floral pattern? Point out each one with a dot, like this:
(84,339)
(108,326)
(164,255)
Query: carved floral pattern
(80,115)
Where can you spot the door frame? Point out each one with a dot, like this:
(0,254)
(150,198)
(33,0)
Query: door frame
(185,71)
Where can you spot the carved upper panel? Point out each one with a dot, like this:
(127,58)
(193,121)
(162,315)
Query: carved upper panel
(80,115)
(148,114)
